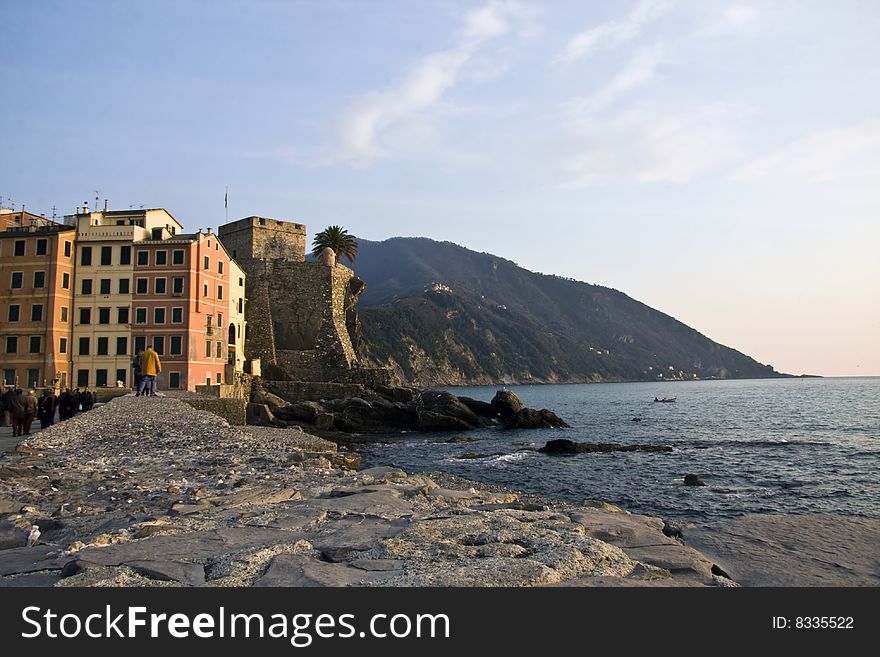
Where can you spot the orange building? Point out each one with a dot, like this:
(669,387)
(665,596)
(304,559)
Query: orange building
(36,280)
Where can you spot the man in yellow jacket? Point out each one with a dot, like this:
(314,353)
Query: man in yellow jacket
(151,367)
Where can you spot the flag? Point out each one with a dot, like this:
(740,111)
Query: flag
(226,199)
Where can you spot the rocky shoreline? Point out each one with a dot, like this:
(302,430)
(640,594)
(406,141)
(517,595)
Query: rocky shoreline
(150,492)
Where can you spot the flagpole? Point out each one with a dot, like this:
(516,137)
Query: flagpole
(226,205)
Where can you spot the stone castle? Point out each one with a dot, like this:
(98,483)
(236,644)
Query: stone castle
(302,324)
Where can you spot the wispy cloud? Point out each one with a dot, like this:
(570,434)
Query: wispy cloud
(640,70)
(615,32)
(645,146)
(424,86)
(738,18)
(851,152)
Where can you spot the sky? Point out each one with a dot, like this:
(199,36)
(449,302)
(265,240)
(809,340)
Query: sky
(718,160)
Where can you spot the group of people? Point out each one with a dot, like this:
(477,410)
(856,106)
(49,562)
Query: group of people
(22,407)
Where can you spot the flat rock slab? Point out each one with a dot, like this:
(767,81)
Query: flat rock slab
(378,565)
(189,547)
(41,579)
(383,504)
(676,558)
(301,570)
(29,560)
(292,437)
(808,550)
(344,538)
(451,495)
(8,506)
(253,496)
(623,529)
(190,574)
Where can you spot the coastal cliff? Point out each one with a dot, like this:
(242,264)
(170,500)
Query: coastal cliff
(439,314)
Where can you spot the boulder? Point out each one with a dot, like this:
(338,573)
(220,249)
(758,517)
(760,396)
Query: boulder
(325,421)
(563,447)
(403,395)
(529,418)
(431,421)
(481,408)
(445,403)
(693,480)
(305,411)
(267,398)
(259,414)
(506,404)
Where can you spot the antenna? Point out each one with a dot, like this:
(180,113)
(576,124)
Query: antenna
(97,199)
(53,212)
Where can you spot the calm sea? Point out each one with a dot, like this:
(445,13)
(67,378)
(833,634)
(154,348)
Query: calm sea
(762,446)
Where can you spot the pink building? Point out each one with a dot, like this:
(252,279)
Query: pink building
(182,292)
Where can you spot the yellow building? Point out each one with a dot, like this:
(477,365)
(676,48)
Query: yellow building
(101,343)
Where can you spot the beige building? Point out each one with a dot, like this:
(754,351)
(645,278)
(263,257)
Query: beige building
(104,282)
(237,324)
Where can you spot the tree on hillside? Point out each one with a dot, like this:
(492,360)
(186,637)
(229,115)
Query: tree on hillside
(338,239)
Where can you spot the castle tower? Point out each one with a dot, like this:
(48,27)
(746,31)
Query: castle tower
(259,238)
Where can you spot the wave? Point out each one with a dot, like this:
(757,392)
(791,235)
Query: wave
(706,444)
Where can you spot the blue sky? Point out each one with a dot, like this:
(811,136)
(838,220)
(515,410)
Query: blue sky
(718,160)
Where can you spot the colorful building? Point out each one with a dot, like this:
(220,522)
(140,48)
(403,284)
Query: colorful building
(36,279)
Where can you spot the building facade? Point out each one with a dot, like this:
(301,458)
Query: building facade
(36,280)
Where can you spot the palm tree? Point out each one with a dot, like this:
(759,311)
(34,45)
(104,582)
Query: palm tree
(338,239)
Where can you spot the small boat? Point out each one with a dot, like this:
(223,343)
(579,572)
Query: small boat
(665,400)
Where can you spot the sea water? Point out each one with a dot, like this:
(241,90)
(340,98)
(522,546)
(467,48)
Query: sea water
(761,446)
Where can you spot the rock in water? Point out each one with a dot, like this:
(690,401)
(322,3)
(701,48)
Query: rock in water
(563,447)
(529,418)
(506,404)
(693,480)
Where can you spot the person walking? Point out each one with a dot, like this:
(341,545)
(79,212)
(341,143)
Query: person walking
(16,409)
(151,367)
(136,366)
(6,406)
(46,408)
(29,401)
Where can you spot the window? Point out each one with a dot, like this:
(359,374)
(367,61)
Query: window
(85,315)
(82,378)
(177,315)
(219,350)
(39,279)
(161,257)
(240,282)
(216,246)
(105,286)
(140,315)
(156,233)
(177,285)
(42,247)
(33,378)
(160,285)
(140,343)
(65,281)
(175,346)
(120,376)
(19,248)
(158,315)
(11,344)
(159,344)
(143,258)
(106,255)
(219,379)
(14,312)
(205,290)
(67,247)
(177,257)
(83,346)
(207,263)
(122,316)
(64,314)
(103,315)
(85,255)
(124,285)
(37,312)
(17,277)
(125,255)
(141,284)
(208,350)
(219,266)
(100,378)
(121,346)
(240,306)
(219,291)
(219,319)
(62,345)
(103,347)
(174,379)
(208,378)
(86,286)
(34,344)
(9,377)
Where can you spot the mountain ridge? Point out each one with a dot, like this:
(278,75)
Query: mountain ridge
(440,314)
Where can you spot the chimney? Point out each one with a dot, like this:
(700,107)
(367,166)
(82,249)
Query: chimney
(105,205)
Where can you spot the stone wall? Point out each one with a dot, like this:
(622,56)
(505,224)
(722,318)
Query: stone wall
(263,238)
(314,391)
